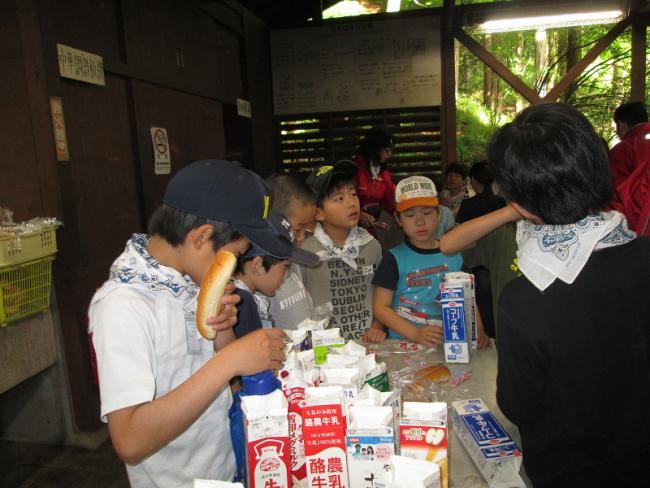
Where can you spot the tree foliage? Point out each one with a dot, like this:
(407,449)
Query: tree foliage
(484,101)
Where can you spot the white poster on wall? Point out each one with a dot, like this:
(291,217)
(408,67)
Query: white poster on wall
(357,66)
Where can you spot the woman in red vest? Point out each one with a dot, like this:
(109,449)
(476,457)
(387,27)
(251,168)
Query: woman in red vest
(375,186)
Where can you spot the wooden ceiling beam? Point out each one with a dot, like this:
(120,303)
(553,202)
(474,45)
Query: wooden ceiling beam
(497,66)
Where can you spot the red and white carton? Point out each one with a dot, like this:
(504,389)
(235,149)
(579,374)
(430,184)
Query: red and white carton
(267,440)
(424,435)
(295,393)
(324,430)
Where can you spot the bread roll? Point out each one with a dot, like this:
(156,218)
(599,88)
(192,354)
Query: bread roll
(431,374)
(212,288)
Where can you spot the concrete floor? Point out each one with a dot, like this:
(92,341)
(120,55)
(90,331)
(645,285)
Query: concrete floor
(27,465)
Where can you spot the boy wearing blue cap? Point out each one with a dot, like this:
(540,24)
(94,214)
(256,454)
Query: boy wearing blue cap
(164,392)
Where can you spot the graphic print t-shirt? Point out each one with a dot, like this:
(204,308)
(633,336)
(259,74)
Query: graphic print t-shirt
(414,275)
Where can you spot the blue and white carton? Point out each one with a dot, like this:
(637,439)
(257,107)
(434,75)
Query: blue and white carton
(469,301)
(494,452)
(456,333)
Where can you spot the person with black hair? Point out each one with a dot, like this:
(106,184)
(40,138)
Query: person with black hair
(258,276)
(164,391)
(341,284)
(455,188)
(633,129)
(485,201)
(574,329)
(375,187)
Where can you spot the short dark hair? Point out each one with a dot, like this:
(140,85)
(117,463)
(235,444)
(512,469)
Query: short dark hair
(550,161)
(337,182)
(173,225)
(267,262)
(457,168)
(480,171)
(374,140)
(286,189)
(631,113)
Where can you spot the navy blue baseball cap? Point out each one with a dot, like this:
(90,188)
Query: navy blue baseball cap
(224,191)
(282,229)
(320,178)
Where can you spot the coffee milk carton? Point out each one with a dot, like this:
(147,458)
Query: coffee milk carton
(423,435)
(495,454)
(456,334)
(267,440)
(324,427)
(469,301)
(370,444)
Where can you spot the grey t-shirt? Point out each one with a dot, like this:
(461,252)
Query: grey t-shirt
(292,303)
(347,293)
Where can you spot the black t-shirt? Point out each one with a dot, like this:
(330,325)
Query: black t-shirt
(480,204)
(574,371)
(248,316)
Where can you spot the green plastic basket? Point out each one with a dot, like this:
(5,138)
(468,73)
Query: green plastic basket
(25,289)
(27,247)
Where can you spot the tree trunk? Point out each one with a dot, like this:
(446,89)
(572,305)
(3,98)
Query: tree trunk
(487,73)
(541,60)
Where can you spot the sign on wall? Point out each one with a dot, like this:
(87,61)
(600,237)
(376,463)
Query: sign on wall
(162,158)
(357,66)
(58,126)
(80,65)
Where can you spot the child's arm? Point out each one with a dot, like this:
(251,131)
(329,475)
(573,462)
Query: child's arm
(467,233)
(382,300)
(375,332)
(140,430)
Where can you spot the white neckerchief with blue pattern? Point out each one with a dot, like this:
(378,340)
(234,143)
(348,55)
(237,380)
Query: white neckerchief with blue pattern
(348,253)
(548,252)
(136,267)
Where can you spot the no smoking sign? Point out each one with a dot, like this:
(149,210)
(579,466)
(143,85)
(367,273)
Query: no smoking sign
(161,154)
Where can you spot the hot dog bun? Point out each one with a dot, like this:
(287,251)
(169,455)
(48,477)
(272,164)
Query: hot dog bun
(212,288)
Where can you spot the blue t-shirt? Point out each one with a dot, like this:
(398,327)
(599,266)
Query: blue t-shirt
(414,275)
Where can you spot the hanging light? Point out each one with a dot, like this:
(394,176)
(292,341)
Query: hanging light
(551,21)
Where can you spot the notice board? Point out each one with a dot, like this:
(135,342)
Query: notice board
(357,66)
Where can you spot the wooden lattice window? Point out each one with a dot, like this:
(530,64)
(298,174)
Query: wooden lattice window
(310,140)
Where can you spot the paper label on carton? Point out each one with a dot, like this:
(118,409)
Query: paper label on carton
(369,459)
(426,440)
(324,438)
(296,443)
(268,461)
(485,429)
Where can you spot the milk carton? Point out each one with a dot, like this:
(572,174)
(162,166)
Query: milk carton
(324,437)
(323,340)
(295,394)
(493,451)
(469,299)
(423,435)
(370,444)
(414,473)
(267,440)
(455,330)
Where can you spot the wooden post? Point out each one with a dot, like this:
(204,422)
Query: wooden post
(448,109)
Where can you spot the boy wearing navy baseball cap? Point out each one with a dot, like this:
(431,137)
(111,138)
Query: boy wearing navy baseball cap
(164,392)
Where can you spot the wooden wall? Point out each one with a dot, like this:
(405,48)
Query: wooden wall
(167,63)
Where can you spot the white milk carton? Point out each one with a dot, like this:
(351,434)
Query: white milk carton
(267,440)
(495,454)
(414,473)
(456,334)
(323,431)
(469,299)
(370,444)
(323,340)
(423,435)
